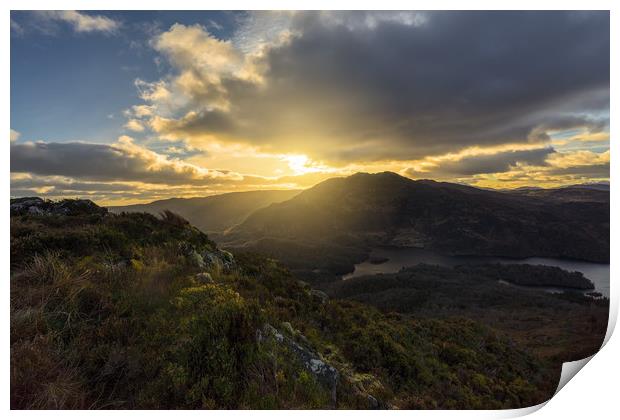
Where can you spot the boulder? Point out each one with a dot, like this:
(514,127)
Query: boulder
(204,278)
(220,259)
(196,259)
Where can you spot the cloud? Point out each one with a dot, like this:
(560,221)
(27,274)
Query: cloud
(15,135)
(578,158)
(536,167)
(123,160)
(81,22)
(127,162)
(134,125)
(476,97)
(359,87)
(101,189)
(139,111)
(590,137)
(203,62)
(485,163)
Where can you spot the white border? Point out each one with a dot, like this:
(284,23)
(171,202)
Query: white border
(592,395)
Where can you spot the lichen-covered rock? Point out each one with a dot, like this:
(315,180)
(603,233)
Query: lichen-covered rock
(219,259)
(196,259)
(363,386)
(35,210)
(227,257)
(24,205)
(325,374)
(288,328)
(319,295)
(40,207)
(204,278)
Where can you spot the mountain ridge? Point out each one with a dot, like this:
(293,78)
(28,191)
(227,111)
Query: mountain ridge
(388,209)
(212,213)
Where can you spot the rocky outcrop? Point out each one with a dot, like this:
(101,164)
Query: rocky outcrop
(324,373)
(219,259)
(319,295)
(38,206)
(363,386)
(212,260)
(26,205)
(204,278)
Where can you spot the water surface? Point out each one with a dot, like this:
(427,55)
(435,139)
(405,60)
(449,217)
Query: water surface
(406,257)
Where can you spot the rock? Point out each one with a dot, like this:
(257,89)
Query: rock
(363,386)
(268,331)
(373,404)
(288,328)
(204,278)
(38,206)
(325,374)
(76,207)
(227,257)
(196,259)
(211,259)
(21,205)
(35,210)
(219,259)
(303,283)
(319,295)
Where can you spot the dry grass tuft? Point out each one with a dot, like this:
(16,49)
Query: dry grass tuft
(47,268)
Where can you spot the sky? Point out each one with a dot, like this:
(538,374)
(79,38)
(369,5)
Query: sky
(134,106)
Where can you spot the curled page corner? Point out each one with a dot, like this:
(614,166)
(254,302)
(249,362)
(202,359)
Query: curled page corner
(569,370)
(518,412)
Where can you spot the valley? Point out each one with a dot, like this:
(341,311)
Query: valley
(300,300)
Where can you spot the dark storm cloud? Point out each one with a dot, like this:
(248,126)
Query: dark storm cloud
(489,164)
(86,168)
(404,91)
(123,161)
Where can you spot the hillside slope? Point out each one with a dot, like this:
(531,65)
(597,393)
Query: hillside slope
(215,213)
(134,311)
(387,209)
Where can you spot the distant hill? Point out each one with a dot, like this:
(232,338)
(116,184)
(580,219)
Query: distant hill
(366,210)
(215,213)
(573,193)
(601,186)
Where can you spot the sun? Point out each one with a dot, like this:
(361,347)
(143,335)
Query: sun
(299,164)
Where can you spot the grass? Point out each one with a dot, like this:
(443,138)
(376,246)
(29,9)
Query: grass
(107,312)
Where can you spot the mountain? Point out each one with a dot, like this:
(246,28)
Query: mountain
(602,186)
(385,209)
(571,193)
(134,311)
(215,213)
